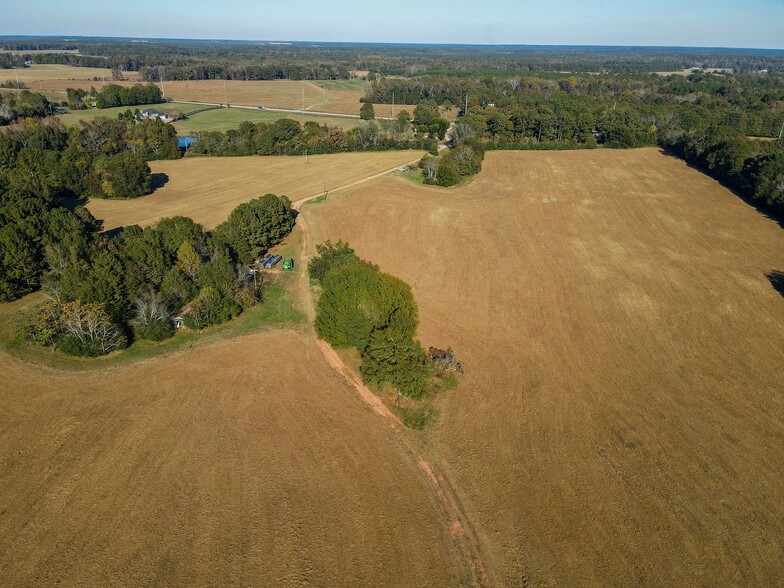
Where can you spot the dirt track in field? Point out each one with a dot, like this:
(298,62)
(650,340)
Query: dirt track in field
(621,420)
(245,462)
(207,189)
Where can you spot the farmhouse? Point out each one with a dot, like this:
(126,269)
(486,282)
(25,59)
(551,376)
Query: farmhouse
(151,114)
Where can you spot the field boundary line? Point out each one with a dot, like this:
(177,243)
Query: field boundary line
(297,203)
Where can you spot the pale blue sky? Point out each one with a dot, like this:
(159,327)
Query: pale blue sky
(711,23)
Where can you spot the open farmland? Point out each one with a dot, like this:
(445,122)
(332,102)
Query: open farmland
(57,77)
(336,97)
(208,467)
(620,420)
(217,119)
(206,189)
(223,119)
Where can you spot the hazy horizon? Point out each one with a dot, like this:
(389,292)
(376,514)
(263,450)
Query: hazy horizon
(607,23)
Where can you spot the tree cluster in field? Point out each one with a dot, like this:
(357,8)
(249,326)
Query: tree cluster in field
(102,292)
(113,95)
(42,164)
(25,104)
(453,166)
(289,137)
(373,312)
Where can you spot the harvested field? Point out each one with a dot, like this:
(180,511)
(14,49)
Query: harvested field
(57,77)
(207,188)
(620,421)
(201,468)
(337,97)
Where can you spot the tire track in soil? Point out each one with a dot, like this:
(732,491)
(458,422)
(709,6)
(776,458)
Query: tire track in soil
(464,538)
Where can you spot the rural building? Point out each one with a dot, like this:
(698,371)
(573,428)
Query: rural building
(151,114)
(179,318)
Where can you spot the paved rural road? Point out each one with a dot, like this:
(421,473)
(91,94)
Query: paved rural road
(465,540)
(267,108)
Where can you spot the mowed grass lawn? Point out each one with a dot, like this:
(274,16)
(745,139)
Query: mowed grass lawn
(223,119)
(75,116)
(218,119)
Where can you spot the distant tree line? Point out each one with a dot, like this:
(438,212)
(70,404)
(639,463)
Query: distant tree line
(387,59)
(249,72)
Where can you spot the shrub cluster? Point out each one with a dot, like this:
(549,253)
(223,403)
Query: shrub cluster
(374,312)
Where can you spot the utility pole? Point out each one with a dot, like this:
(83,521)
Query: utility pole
(781,131)
(225,94)
(393,105)
(163,92)
(303,98)
(16,71)
(465,110)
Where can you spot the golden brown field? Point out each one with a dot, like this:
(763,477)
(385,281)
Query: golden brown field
(621,420)
(57,77)
(246,462)
(272,93)
(207,188)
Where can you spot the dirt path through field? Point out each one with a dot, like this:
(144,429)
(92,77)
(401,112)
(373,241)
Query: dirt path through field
(465,540)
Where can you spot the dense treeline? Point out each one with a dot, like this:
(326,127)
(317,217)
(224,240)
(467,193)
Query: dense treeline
(113,95)
(361,307)
(43,163)
(288,137)
(703,118)
(25,104)
(751,105)
(753,168)
(250,71)
(103,292)
(297,60)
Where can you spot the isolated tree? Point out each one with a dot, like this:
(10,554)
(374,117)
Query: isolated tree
(255,226)
(188,260)
(176,230)
(125,175)
(429,166)
(151,318)
(367,112)
(177,288)
(88,330)
(394,357)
